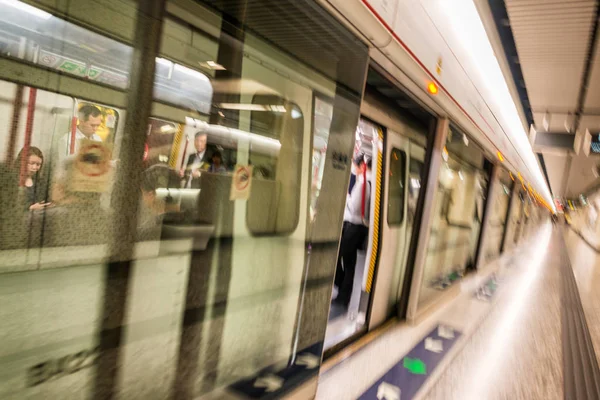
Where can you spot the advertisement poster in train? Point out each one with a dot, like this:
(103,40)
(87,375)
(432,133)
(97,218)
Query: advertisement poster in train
(92,169)
(241,182)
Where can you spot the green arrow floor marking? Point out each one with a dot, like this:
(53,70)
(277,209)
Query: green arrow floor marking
(415,366)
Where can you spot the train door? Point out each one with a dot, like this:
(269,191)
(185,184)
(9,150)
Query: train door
(352,291)
(394,223)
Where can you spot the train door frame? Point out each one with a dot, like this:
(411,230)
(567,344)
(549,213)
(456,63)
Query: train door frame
(392,238)
(415,263)
(372,256)
(493,171)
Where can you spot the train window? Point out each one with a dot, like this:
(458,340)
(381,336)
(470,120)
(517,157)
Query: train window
(273,205)
(46,40)
(459,204)
(498,215)
(397,186)
(322,114)
(415,172)
(41,38)
(227,100)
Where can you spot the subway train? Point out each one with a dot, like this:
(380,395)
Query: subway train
(233,299)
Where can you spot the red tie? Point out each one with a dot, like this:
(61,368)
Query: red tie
(364,192)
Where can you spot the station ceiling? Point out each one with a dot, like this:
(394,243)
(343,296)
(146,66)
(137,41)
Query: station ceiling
(552,49)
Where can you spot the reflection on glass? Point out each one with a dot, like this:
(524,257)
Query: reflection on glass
(396,178)
(217,285)
(350,299)
(459,204)
(498,215)
(323,112)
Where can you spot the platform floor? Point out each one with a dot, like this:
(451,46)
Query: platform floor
(525,341)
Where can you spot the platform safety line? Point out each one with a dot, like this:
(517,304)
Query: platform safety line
(176,146)
(375,247)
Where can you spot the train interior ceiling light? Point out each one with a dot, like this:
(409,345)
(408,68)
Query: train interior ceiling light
(466,24)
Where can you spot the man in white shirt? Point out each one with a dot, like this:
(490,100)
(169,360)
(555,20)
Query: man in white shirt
(89,120)
(355,231)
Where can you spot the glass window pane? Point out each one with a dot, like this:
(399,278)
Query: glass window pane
(498,215)
(200,301)
(64,83)
(273,207)
(459,204)
(396,184)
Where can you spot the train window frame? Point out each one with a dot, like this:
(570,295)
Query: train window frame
(276,100)
(402,163)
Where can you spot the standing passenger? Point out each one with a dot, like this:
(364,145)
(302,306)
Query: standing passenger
(354,232)
(89,120)
(217,163)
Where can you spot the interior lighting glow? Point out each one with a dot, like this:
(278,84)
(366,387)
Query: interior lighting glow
(415,183)
(215,66)
(500,156)
(432,88)
(253,107)
(167,129)
(164,61)
(460,19)
(36,12)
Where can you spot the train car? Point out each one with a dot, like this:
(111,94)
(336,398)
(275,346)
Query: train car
(184,243)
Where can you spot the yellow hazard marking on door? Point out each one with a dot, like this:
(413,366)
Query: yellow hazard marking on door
(176,145)
(375,246)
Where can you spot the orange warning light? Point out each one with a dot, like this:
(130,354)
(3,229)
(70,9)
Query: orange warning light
(500,156)
(432,88)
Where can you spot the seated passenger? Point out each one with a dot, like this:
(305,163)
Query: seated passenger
(159,210)
(217,163)
(76,218)
(33,192)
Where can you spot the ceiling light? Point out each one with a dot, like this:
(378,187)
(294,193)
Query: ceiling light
(281,109)
(253,107)
(27,8)
(296,113)
(215,66)
(167,128)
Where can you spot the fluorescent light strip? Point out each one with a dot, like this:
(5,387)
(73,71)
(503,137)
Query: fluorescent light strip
(466,23)
(253,107)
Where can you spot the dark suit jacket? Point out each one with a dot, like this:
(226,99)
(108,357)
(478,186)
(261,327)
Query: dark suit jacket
(205,164)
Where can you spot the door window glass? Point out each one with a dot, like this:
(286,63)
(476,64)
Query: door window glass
(396,187)
(459,205)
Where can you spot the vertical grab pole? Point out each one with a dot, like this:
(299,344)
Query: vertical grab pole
(28,130)
(14,126)
(73,135)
